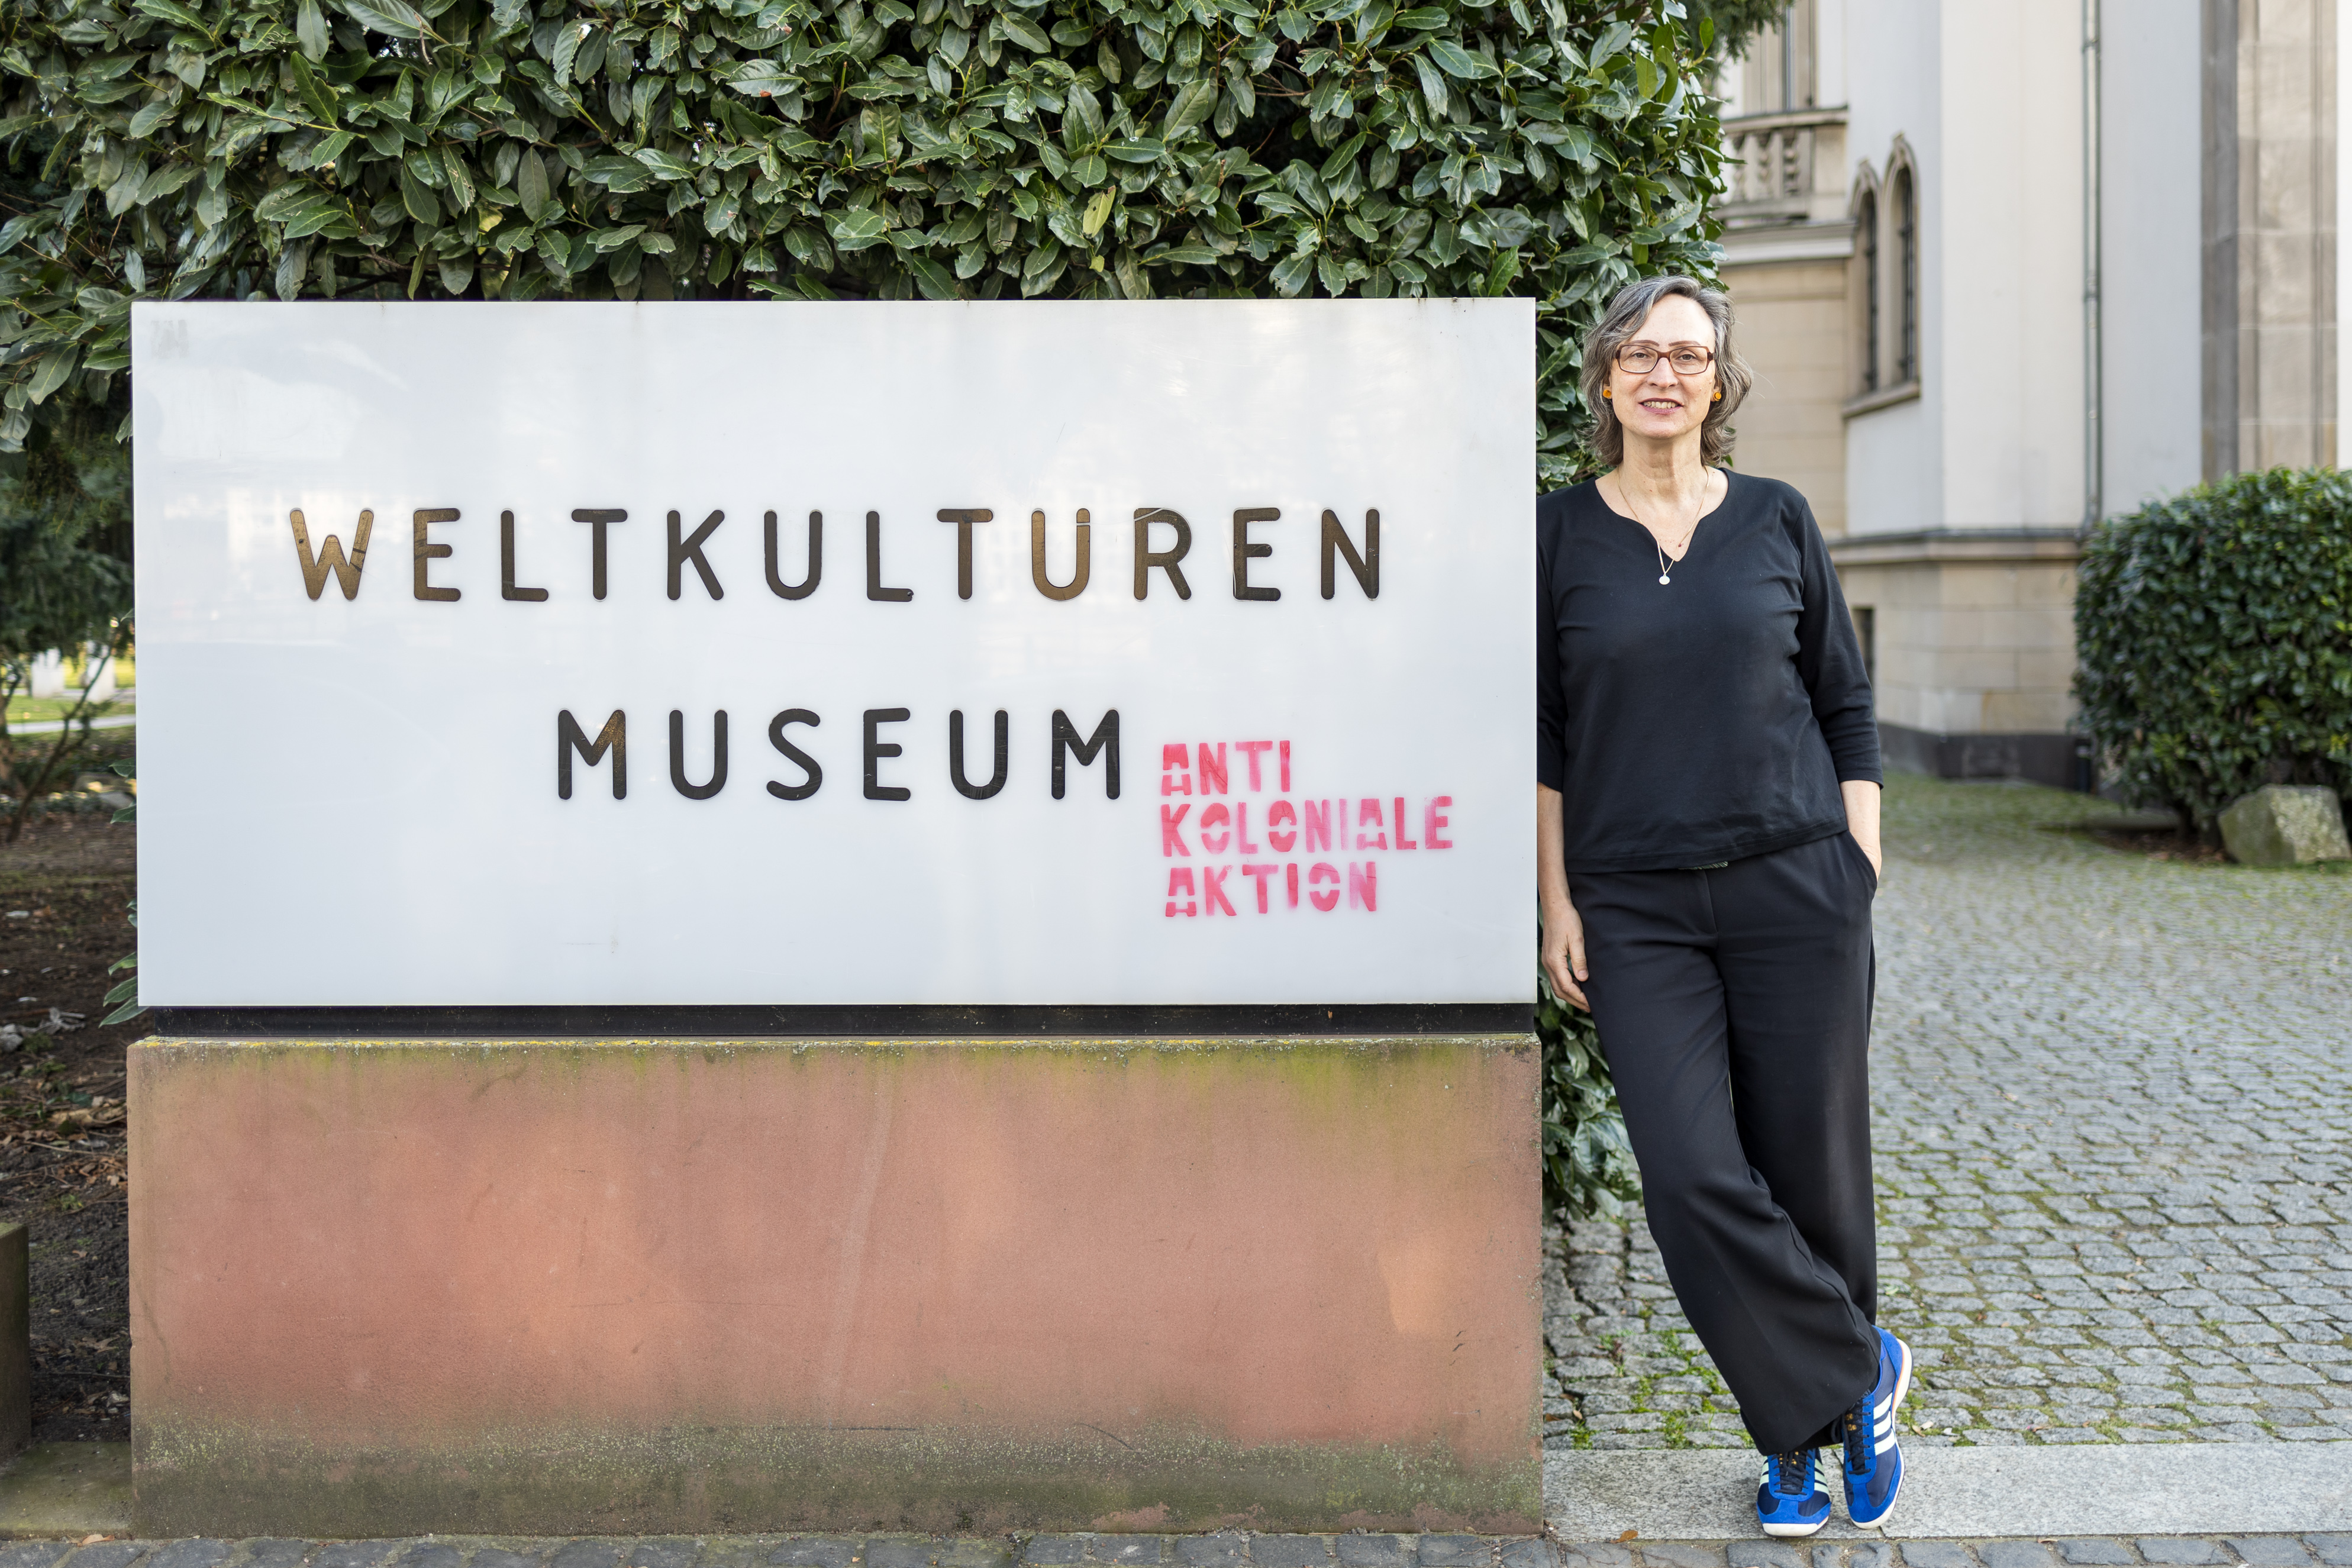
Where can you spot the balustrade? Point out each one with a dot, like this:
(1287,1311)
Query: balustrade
(1773,164)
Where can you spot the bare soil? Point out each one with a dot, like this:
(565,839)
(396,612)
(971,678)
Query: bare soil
(2160,843)
(66,887)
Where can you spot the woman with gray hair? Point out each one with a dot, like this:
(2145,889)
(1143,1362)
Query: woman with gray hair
(1706,797)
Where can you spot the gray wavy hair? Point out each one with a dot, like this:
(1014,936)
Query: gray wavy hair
(1618,324)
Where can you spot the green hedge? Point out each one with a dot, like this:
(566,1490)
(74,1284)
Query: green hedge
(2214,632)
(825,148)
(856,149)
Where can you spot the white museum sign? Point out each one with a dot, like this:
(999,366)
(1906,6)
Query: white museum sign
(1046,653)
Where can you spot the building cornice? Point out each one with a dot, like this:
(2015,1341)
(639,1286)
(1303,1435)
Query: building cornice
(1885,397)
(1788,119)
(1982,546)
(1787,242)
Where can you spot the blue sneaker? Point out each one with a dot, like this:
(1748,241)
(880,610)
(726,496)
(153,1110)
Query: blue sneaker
(1873,1458)
(1793,1498)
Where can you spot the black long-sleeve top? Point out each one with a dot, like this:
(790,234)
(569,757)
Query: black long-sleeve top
(1707,719)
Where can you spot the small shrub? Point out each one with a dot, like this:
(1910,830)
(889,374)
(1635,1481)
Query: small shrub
(2214,631)
(1587,1163)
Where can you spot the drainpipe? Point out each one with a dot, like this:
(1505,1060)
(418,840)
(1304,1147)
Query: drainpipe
(2094,464)
(2093,358)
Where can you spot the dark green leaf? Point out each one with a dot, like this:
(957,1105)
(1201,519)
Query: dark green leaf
(457,178)
(1342,158)
(1190,106)
(418,199)
(143,123)
(566,52)
(762,79)
(322,214)
(931,278)
(1458,62)
(315,93)
(50,371)
(394,18)
(856,229)
(531,185)
(669,166)
(173,11)
(1432,86)
(23,224)
(285,200)
(310,29)
(164,181)
(622,176)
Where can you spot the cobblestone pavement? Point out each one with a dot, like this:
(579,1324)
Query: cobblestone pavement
(2113,1145)
(1227,1549)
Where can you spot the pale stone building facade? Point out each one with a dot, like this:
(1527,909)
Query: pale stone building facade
(2005,267)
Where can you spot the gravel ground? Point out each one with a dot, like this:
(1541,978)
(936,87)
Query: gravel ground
(2114,1141)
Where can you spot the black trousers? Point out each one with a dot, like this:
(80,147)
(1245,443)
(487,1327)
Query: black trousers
(1734,1009)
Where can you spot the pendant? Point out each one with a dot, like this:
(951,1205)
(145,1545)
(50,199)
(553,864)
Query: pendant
(1664,579)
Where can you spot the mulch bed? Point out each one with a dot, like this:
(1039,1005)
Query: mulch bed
(65,889)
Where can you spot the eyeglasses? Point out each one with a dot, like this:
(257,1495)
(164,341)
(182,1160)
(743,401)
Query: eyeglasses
(1640,359)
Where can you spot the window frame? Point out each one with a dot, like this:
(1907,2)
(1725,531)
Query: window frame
(1906,204)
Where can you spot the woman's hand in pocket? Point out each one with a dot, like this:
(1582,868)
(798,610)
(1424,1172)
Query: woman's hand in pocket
(1861,799)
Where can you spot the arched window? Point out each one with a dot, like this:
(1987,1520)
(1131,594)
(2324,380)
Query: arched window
(1906,278)
(1866,230)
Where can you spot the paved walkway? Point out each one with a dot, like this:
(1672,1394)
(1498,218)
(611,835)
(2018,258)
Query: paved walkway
(2114,1144)
(2115,1182)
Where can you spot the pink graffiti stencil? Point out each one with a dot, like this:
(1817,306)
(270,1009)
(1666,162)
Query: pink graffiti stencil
(1237,829)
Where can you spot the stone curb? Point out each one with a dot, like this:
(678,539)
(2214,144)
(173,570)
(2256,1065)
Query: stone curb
(1227,1549)
(2112,1490)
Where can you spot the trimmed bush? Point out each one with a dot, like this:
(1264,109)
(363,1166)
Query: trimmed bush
(857,149)
(2214,631)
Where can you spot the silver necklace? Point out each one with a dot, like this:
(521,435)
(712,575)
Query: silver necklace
(1665,569)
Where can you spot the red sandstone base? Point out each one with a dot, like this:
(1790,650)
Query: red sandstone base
(389,1287)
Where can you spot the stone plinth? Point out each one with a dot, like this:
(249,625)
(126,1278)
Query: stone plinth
(383,1288)
(2282,825)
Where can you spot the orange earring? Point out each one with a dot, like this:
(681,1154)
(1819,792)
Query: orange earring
(1718,397)
(1605,392)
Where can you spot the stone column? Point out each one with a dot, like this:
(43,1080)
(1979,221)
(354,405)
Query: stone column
(2269,118)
